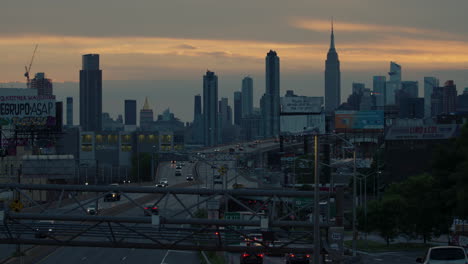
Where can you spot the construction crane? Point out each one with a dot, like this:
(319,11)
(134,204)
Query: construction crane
(28,69)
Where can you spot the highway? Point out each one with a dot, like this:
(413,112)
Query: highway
(166,208)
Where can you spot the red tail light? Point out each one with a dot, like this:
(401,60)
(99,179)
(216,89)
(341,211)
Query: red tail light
(261,255)
(146,208)
(216,233)
(245,255)
(155,208)
(308,256)
(292,255)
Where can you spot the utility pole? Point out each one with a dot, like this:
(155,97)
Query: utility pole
(354,203)
(316,252)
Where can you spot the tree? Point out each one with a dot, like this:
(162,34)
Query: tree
(384,216)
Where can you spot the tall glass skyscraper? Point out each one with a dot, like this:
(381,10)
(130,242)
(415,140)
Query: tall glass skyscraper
(429,84)
(91,93)
(379,91)
(210,109)
(332,78)
(271,98)
(69,111)
(247,96)
(130,112)
(394,84)
(237,108)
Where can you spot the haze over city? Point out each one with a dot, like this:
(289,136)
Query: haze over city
(162,49)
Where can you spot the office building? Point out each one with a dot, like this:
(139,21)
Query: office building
(237,108)
(130,112)
(332,78)
(411,88)
(379,91)
(91,94)
(42,84)
(271,98)
(210,109)
(247,96)
(224,112)
(394,84)
(146,116)
(411,107)
(69,111)
(197,108)
(449,97)
(429,84)
(462,101)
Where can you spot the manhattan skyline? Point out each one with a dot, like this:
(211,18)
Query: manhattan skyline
(147,52)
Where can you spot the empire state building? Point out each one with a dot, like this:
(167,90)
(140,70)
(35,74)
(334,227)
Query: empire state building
(332,78)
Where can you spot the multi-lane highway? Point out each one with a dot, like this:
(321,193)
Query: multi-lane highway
(167,207)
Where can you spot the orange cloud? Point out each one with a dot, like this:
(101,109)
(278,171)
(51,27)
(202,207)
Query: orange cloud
(320,25)
(154,58)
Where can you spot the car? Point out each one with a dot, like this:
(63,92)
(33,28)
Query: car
(182,163)
(160,185)
(191,161)
(178,173)
(241,149)
(113,195)
(178,167)
(164,181)
(216,150)
(251,258)
(150,209)
(91,211)
(297,258)
(173,161)
(189,177)
(44,229)
(444,254)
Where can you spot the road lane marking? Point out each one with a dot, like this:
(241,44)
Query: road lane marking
(165,256)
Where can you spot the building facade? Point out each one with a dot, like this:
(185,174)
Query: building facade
(332,78)
(91,93)
(271,107)
(429,84)
(237,108)
(69,111)
(42,84)
(130,112)
(146,116)
(247,96)
(210,109)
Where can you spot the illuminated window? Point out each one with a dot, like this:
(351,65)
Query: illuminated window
(126,148)
(125,139)
(86,139)
(141,138)
(112,139)
(86,148)
(98,139)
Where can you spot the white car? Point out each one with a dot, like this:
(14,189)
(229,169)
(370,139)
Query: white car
(444,255)
(91,211)
(164,182)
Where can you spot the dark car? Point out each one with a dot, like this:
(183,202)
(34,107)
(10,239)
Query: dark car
(112,196)
(189,177)
(44,229)
(150,209)
(251,258)
(297,258)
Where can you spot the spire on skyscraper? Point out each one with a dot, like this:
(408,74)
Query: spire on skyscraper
(146,105)
(332,40)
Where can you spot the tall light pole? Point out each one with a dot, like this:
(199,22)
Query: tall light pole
(354,202)
(316,203)
(152,164)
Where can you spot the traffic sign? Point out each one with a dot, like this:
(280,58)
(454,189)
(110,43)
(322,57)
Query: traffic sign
(232,216)
(16,205)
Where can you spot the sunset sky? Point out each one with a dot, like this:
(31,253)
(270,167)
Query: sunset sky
(178,40)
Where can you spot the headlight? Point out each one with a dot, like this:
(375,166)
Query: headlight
(50,229)
(113,195)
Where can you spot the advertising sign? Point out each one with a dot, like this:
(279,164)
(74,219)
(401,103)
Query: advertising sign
(359,120)
(301,104)
(27,110)
(423,132)
(302,124)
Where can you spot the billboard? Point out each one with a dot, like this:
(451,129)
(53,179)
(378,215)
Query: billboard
(359,120)
(302,124)
(301,104)
(28,110)
(423,132)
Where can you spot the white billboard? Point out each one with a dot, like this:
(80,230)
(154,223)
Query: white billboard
(27,110)
(301,104)
(302,124)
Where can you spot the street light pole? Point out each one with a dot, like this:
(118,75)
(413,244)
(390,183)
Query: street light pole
(316,203)
(354,202)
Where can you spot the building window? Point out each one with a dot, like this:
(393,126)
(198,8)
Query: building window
(112,139)
(125,139)
(153,139)
(86,139)
(86,148)
(166,138)
(98,139)
(126,148)
(141,138)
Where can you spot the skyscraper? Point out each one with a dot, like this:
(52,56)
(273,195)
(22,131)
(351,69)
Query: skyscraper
(210,109)
(146,116)
(69,111)
(224,112)
(42,84)
(394,84)
(91,93)
(197,108)
(130,112)
(271,106)
(379,91)
(332,78)
(237,108)
(429,84)
(247,96)
(411,88)
(449,99)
